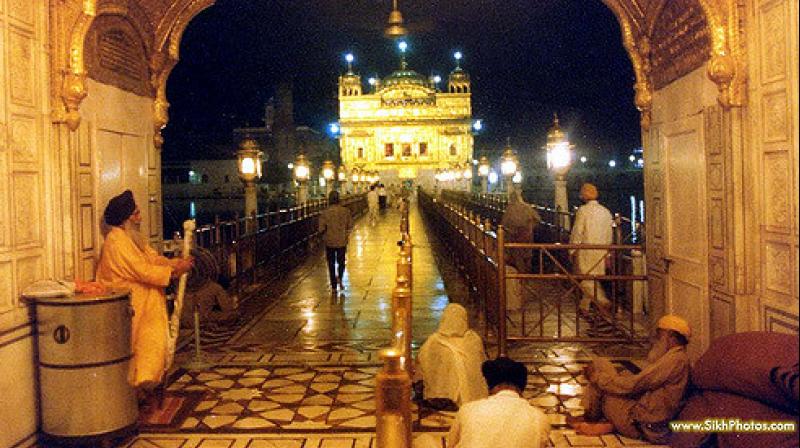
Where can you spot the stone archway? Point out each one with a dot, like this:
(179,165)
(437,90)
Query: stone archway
(679,49)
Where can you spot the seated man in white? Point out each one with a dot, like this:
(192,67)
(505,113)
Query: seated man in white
(449,362)
(505,419)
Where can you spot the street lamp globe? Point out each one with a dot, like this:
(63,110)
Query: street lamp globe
(509,163)
(341,174)
(483,167)
(249,160)
(517,179)
(301,169)
(559,161)
(328,170)
(467,171)
(559,150)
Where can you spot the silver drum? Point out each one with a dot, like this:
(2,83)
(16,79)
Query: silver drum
(84,353)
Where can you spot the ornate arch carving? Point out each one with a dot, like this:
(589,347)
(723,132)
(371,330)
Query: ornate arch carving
(74,88)
(636,43)
(168,35)
(638,19)
(725,54)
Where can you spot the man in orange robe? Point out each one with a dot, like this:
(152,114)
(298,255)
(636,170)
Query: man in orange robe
(128,262)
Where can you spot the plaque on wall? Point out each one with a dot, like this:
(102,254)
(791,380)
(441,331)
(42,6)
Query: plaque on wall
(115,55)
(680,41)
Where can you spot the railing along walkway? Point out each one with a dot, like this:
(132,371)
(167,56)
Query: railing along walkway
(546,308)
(240,249)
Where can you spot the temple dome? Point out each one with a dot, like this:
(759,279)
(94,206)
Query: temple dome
(405,76)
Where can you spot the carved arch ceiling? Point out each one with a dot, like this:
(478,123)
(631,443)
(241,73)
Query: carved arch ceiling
(116,54)
(158,24)
(643,24)
(666,39)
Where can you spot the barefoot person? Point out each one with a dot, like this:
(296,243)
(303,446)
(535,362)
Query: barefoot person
(592,226)
(128,262)
(641,405)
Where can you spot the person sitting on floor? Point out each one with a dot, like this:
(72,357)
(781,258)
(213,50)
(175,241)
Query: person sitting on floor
(640,405)
(449,362)
(505,419)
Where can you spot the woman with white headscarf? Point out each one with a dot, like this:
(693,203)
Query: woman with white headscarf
(449,361)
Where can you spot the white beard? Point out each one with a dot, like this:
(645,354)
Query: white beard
(659,349)
(134,232)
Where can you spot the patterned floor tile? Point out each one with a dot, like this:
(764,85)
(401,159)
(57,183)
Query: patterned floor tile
(297,360)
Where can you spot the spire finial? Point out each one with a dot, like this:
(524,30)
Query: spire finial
(555,118)
(394,26)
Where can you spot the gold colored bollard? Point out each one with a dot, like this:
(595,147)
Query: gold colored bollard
(401,317)
(392,402)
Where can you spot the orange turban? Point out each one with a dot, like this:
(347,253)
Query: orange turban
(589,192)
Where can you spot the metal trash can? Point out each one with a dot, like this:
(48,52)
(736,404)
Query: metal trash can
(84,346)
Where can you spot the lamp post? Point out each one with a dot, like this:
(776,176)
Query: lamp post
(508,167)
(329,173)
(301,174)
(559,161)
(483,172)
(248,159)
(468,176)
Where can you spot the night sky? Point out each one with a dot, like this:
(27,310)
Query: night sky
(527,59)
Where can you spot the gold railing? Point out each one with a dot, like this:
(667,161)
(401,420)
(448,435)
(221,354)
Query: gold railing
(481,252)
(393,383)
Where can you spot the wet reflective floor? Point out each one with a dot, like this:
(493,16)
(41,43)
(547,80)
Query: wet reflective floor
(297,369)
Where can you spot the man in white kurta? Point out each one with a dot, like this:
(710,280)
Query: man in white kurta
(505,419)
(449,361)
(593,225)
(372,205)
(127,262)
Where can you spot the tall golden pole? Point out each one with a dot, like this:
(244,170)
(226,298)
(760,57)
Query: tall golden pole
(393,402)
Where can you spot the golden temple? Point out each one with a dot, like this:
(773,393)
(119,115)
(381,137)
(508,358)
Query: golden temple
(405,127)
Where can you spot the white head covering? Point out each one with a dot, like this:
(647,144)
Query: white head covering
(454,321)
(450,360)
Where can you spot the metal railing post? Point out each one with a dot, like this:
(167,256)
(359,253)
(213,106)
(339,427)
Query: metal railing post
(639,288)
(501,288)
(392,402)
(401,312)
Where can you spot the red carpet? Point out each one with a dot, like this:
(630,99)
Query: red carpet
(171,412)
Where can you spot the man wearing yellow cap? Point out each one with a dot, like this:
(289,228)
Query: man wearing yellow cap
(641,405)
(592,226)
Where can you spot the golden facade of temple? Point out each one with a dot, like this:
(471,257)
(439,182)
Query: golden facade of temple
(405,127)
